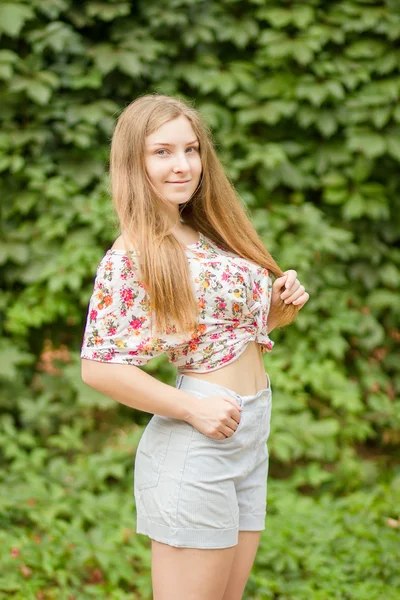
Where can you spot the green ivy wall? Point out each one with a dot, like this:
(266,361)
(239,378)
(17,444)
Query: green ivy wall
(303,100)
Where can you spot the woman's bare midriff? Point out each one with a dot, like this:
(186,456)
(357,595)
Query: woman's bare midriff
(246,375)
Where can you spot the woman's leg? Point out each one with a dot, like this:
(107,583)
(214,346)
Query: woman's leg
(190,573)
(245,553)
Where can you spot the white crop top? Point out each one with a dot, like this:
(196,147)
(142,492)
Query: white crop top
(233,296)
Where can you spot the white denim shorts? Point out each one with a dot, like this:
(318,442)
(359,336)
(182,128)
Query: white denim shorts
(193,491)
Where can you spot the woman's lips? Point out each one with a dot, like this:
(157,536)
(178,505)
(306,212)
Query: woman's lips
(178,182)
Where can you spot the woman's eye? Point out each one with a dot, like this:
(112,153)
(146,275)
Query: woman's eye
(161,150)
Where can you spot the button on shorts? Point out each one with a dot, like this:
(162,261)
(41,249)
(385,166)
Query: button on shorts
(193,491)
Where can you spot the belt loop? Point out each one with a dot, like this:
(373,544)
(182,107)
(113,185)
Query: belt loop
(239,399)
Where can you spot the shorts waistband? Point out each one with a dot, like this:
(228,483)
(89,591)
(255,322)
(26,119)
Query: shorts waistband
(188,383)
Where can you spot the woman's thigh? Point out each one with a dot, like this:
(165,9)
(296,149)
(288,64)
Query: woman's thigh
(190,573)
(245,553)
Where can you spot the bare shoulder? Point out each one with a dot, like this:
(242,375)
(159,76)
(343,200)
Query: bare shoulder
(119,244)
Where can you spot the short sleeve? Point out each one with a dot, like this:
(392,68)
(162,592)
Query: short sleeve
(259,303)
(118,319)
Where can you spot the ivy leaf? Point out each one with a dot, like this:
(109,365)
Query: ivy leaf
(13,17)
(354,207)
(327,123)
(369,143)
(393,146)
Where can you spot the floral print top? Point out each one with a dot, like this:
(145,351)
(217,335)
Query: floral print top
(233,294)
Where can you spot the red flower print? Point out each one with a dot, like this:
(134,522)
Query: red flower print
(93,315)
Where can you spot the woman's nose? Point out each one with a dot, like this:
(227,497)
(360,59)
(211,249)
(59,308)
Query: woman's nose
(181,163)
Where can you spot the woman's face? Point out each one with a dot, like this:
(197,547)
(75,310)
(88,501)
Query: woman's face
(172,155)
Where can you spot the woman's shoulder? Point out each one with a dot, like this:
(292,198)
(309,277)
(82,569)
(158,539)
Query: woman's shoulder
(120,244)
(120,257)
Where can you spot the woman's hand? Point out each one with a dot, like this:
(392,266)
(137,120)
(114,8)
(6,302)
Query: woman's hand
(294,292)
(217,417)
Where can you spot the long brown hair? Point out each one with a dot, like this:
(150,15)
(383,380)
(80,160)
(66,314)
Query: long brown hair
(214,209)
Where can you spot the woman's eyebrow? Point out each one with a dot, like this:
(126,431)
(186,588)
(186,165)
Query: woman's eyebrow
(166,143)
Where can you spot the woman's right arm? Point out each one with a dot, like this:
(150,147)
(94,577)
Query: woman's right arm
(137,389)
(117,341)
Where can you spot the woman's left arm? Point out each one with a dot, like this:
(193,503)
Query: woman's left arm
(294,292)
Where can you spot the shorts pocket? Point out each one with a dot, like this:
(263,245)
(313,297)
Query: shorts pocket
(150,456)
(234,434)
(227,439)
(265,419)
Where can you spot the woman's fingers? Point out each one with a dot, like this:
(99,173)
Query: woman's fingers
(302,299)
(291,285)
(294,292)
(291,275)
(279,283)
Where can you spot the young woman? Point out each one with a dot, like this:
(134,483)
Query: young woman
(188,277)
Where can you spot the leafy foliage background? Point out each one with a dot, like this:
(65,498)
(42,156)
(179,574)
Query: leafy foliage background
(303,101)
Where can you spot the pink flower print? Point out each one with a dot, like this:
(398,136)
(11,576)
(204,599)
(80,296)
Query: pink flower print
(256,287)
(227,358)
(135,323)
(93,315)
(127,296)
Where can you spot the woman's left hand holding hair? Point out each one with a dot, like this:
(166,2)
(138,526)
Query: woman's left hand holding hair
(294,293)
